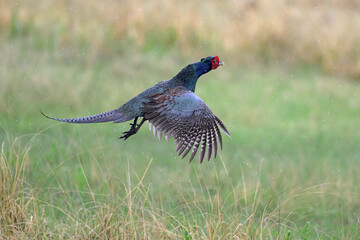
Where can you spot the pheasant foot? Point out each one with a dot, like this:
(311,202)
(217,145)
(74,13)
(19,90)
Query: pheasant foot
(134,129)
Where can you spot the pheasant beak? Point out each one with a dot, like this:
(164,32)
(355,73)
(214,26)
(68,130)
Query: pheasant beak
(221,63)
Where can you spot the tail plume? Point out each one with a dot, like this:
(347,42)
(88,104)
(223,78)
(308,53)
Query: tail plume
(101,117)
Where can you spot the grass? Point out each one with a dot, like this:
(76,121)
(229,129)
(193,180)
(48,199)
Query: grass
(290,170)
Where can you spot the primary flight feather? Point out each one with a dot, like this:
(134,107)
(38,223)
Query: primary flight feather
(172,108)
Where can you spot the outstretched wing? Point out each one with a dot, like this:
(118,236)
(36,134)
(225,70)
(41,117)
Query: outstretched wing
(181,114)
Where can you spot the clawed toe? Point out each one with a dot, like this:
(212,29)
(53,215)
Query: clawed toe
(127,134)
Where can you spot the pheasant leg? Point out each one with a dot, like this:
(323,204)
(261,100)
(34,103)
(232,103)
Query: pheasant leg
(134,129)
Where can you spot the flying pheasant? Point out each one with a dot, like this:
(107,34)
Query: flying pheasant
(173,109)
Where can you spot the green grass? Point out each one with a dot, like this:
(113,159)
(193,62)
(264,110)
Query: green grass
(290,170)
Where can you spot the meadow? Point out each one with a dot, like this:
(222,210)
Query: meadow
(290,171)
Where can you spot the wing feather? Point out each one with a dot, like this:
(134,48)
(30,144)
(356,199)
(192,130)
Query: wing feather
(203,146)
(180,114)
(195,148)
(209,143)
(218,134)
(193,137)
(213,140)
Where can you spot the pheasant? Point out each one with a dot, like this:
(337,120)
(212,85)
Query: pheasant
(172,108)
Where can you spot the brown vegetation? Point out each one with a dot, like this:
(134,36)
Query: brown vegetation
(321,33)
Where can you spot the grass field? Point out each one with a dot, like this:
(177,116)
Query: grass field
(289,95)
(290,170)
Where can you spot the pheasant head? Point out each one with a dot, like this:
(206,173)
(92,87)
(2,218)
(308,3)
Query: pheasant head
(207,64)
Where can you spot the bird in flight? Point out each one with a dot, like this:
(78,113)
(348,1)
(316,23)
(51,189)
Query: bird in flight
(172,108)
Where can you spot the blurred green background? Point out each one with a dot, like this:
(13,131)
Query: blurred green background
(289,94)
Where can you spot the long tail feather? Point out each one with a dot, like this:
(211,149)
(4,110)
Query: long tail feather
(102,117)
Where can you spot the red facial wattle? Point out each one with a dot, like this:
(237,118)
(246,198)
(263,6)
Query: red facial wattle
(215,62)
